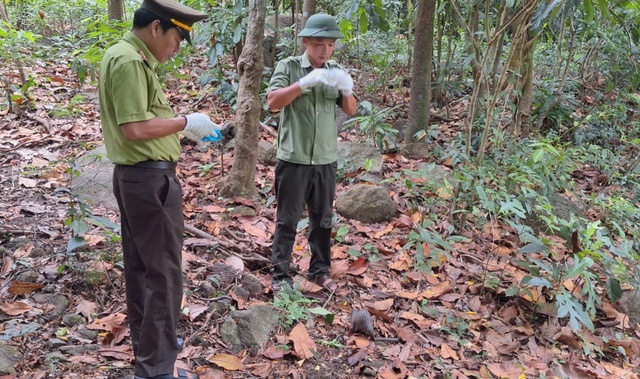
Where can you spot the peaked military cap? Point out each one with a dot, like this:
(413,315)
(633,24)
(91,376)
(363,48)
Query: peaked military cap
(178,14)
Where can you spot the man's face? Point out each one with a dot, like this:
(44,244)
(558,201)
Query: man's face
(319,50)
(165,44)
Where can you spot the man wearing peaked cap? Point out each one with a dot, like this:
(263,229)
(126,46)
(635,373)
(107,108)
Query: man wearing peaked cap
(178,14)
(141,134)
(308,88)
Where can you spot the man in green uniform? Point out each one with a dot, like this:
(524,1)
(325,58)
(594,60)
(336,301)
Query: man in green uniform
(141,136)
(307,88)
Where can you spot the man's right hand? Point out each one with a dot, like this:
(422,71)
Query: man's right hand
(199,125)
(312,79)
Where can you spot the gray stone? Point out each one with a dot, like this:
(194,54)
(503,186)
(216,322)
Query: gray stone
(73,319)
(94,184)
(79,349)
(88,334)
(230,335)
(240,292)
(9,357)
(366,203)
(561,207)
(369,178)
(52,358)
(60,304)
(436,174)
(55,342)
(354,157)
(220,307)
(253,326)
(252,284)
(267,153)
(221,275)
(29,276)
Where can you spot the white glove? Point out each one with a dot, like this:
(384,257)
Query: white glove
(333,75)
(312,79)
(345,83)
(199,125)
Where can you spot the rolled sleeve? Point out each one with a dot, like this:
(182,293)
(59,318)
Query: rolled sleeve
(280,77)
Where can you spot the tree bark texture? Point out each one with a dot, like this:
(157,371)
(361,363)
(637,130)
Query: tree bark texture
(308,9)
(241,179)
(420,102)
(116,10)
(3,12)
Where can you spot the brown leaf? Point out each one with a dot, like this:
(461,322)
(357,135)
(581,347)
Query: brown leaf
(122,352)
(262,370)
(403,263)
(108,323)
(196,310)
(274,352)
(505,370)
(358,267)
(383,305)
(23,288)
(227,362)
(447,352)
(86,308)
(15,309)
(303,345)
(357,357)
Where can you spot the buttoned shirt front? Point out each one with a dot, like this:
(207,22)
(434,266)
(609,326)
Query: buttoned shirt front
(308,132)
(130,91)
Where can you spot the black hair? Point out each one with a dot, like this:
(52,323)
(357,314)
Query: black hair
(143,17)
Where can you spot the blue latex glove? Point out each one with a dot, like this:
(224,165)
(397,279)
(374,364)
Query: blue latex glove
(215,137)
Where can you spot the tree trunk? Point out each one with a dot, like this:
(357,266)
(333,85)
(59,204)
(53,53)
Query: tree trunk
(116,10)
(241,179)
(308,9)
(421,76)
(3,12)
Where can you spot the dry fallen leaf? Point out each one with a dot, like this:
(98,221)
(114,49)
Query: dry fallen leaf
(108,323)
(23,288)
(15,309)
(358,267)
(227,362)
(303,345)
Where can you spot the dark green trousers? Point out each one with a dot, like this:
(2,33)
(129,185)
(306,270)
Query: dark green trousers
(296,186)
(150,202)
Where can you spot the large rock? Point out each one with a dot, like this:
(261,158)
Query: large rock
(366,203)
(561,208)
(251,328)
(94,184)
(354,157)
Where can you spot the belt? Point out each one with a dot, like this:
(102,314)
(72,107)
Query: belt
(159,165)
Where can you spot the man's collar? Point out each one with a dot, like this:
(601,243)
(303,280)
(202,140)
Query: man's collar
(306,63)
(142,49)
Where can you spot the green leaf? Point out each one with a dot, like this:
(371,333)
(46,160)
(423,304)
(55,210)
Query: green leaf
(588,9)
(79,226)
(328,315)
(512,291)
(75,243)
(614,290)
(532,248)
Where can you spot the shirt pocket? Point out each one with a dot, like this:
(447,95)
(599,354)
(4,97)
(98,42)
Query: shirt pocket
(330,95)
(160,105)
(303,102)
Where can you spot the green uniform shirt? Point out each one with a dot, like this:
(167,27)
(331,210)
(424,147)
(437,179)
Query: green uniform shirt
(130,91)
(308,133)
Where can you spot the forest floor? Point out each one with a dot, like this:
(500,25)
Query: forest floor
(453,321)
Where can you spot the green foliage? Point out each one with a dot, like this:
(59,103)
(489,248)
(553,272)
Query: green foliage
(228,24)
(374,124)
(80,217)
(294,304)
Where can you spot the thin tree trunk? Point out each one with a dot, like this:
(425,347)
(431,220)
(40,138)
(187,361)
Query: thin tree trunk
(241,180)
(420,102)
(308,10)
(4,15)
(551,102)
